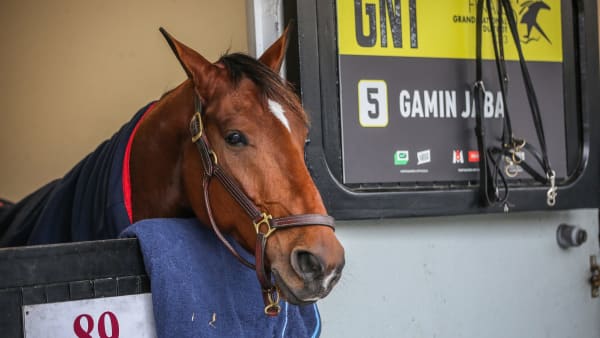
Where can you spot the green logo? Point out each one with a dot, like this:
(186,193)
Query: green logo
(401,157)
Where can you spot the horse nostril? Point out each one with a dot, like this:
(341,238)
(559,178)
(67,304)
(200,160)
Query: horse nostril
(307,265)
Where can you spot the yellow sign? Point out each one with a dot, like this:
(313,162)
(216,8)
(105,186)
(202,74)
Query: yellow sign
(445,29)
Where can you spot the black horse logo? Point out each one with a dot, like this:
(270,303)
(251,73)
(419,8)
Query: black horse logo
(529,16)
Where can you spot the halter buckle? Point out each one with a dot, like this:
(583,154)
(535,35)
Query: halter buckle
(273,308)
(266,221)
(196,127)
(214,157)
(516,149)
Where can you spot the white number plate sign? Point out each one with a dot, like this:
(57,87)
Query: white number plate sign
(111,317)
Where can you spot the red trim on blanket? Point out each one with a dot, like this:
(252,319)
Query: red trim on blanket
(126,179)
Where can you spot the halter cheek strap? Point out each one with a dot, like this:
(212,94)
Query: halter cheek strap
(264,223)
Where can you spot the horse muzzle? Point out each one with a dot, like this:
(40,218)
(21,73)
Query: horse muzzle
(313,273)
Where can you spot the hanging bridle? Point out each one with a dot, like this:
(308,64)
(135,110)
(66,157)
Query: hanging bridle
(491,176)
(264,223)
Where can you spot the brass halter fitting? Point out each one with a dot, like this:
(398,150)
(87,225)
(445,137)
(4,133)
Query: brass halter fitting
(515,150)
(214,157)
(266,221)
(273,308)
(196,124)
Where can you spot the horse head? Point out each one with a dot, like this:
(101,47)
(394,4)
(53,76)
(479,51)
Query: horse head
(254,129)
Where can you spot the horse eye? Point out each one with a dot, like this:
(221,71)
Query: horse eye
(236,138)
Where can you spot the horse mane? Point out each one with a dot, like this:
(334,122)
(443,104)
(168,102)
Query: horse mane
(270,84)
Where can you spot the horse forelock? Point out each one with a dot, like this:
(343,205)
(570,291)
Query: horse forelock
(270,84)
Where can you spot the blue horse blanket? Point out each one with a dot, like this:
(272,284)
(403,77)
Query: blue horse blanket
(86,204)
(199,289)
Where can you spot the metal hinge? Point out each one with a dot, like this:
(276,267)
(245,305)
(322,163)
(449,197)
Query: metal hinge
(595,278)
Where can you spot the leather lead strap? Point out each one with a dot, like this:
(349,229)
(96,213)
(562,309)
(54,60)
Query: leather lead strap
(216,229)
(487,189)
(259,252)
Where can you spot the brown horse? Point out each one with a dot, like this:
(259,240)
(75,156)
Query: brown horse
(253,130)
(226,145)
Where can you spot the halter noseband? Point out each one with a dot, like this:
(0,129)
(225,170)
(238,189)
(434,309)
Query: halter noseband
(264,224)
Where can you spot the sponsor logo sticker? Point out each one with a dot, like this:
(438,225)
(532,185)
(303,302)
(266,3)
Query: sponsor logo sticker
(424,157)
(457,156)
(401,157)
(473,156)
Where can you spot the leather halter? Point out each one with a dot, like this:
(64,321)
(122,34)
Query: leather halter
(264,223)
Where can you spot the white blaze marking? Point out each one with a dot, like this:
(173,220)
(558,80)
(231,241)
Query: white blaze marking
(277,110)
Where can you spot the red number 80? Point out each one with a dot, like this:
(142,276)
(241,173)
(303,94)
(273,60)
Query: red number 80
(81,333)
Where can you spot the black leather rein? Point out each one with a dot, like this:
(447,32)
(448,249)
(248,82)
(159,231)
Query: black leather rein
(491,175)
(264,223)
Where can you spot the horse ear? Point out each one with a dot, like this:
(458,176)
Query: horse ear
(274,55)
(194,64)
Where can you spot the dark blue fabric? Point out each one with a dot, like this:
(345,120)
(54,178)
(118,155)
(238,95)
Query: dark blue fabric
(193,276)
(86,204)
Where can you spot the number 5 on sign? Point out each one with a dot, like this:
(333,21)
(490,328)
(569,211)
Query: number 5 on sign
(372,103)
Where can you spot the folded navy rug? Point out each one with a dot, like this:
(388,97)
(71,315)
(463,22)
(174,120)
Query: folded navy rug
(200,290)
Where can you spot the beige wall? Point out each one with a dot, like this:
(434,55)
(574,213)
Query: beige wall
(72,71)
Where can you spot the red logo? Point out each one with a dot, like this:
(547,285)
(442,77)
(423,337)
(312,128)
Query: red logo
(457,156)
(473,156)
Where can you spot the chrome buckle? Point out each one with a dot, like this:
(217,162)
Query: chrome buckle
(510,169)
(552,191)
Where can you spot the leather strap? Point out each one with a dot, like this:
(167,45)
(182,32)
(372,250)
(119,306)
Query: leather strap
(303,220)
(491,175)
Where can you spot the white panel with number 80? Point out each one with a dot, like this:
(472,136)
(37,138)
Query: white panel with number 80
(110,317)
